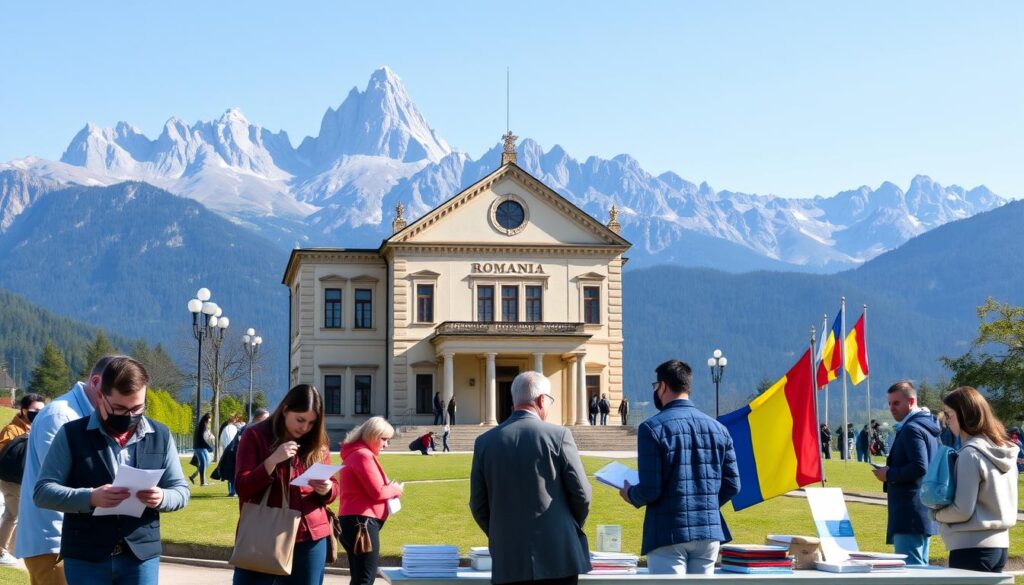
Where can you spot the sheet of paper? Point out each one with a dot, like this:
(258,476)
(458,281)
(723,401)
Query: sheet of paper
(135,480)
(616,474)
(394,505)
(833,523)
(317,471)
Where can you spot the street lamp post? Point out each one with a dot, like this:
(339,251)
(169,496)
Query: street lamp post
(219,324)
(251,344)
(717,364)
(203,324)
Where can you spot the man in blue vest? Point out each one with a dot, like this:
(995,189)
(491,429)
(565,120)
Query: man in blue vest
(80,467)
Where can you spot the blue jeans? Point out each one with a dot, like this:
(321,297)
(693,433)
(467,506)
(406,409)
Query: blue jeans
(862,455)
(122,569)
(203,459)
(308,563)
(231,489)
(915,546)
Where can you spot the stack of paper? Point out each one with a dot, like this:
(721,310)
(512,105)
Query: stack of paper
(880,562)
(430,560)
(611,563)
(480,558)
(616,474)
(756,559)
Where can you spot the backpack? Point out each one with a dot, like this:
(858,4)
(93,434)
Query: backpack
(939,484)
(12,459)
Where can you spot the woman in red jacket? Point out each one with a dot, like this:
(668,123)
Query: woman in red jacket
(271,454)
(365,491)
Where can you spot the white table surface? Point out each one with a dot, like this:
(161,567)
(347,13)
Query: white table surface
(931,576)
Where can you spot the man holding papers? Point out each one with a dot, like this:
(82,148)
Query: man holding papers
(80,473)
(529,493)
(687,470)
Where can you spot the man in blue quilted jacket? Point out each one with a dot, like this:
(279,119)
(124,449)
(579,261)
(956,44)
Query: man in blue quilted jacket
(687,468)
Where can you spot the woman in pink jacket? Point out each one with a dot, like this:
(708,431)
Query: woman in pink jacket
(365,491)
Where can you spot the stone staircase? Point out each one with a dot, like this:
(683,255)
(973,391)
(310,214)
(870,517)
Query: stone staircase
(462,437)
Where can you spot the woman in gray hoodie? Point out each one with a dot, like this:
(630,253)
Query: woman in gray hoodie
(976,526)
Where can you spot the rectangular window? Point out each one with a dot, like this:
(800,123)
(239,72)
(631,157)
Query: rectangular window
(510,303)
(332,308)
(534,304)
(332,394)
(485,304)
(592,305)
(594,386)
(424,393)
(424,303)
(364,308)
(363,383)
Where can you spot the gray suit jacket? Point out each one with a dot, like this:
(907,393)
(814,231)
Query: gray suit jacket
(529,493)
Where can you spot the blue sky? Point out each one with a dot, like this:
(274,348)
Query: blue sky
(790,98)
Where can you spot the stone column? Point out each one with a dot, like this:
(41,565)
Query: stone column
(538,362)
(580,387)
(449,381)
(490,393)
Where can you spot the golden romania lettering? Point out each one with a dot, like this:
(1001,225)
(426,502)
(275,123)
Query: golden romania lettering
(506,268)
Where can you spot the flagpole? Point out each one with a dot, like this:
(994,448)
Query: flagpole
(868,393)
(814,392)
(824,329)
(840,345)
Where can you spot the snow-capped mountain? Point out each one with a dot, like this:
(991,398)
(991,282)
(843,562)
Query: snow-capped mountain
(376,149)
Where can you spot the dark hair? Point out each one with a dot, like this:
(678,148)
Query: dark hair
(260,412)
(676,375)
(904,386)
(974,415)
(101,364)
(28,399)
(125,375)
(204,421)
(314,444)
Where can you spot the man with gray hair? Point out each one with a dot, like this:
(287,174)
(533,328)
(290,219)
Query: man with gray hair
(529,492)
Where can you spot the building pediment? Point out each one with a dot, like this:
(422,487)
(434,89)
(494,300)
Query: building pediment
(509,207)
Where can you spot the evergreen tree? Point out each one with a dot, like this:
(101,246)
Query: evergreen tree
(52,376)
(100,347)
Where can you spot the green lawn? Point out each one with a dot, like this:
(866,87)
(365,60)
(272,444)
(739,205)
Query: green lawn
(438,512)
(13,576)
(6,414)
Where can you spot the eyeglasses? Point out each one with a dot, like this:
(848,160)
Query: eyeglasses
(551,398)
(654,385)
(121,411)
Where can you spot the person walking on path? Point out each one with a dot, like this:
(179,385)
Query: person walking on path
(624,410)
(39,534)
(365,493)
(202,446)
(444,439)
(917,437)
(529,492)
(976,527)
(270,455)
(605,408)
(80,468)
(688,471)
(451,411)
(18,428)
(592,410)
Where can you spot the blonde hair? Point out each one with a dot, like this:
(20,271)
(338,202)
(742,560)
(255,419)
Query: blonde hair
(374,428)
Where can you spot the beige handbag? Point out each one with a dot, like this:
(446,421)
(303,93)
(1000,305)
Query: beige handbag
(265,541)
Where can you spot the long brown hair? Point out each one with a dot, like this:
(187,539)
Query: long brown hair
(975,416)
(314,444)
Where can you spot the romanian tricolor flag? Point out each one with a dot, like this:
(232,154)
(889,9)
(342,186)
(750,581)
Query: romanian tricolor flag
(776,438)
(830,353)
(857,353)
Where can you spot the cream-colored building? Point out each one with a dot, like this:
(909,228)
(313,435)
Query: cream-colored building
(506,276)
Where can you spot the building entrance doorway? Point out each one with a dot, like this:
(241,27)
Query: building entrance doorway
(503,376)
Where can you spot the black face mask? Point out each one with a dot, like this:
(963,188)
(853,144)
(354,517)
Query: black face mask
(122,423)
(31,415)
(657,401)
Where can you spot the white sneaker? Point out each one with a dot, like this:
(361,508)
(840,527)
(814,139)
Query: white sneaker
(7,559)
